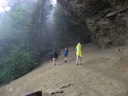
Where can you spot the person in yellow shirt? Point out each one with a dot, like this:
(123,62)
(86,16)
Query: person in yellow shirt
(79,53)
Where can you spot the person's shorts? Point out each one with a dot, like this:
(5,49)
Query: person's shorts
(54,58)
(78,56)
(65,55)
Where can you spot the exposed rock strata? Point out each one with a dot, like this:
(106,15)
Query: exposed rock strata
(107,20)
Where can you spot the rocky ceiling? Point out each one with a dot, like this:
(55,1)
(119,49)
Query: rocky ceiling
(107,20)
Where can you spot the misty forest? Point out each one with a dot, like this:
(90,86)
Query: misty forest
(30,30)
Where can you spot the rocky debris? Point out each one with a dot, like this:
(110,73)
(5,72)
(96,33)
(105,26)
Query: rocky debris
(65,86)
(124,59)
(105,58)
(54,91)
(115,13)
(119,49)
(38,93)
(110,14)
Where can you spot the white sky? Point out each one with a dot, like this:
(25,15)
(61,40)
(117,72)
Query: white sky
(3,3)
(7,8)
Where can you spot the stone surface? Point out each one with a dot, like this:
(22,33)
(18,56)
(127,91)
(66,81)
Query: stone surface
(65,86)
(54,91)
(107,20)
(38,93)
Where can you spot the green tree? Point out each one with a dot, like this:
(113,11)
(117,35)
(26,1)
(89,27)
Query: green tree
(17,64)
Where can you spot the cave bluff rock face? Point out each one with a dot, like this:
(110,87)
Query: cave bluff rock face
(107,20)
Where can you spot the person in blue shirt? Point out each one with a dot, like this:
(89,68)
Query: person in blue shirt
(65,54)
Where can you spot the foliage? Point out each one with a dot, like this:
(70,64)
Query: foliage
(58,27)
(58,43)
(17,64)
(21,27)
(15,24)
(25,26)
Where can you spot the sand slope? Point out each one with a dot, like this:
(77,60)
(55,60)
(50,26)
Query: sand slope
(102,73)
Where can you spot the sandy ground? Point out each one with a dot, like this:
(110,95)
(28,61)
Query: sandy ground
(102,73)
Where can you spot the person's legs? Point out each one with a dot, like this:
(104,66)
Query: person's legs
(65,58)
(54,61)
(80,60)
(77,58)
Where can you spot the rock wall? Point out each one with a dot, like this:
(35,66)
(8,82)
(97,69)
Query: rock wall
(107,20)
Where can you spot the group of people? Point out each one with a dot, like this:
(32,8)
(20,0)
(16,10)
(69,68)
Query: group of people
(78,54)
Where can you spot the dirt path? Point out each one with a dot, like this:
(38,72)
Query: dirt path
(103,73)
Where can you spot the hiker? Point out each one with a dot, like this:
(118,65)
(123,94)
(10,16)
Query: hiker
(65,54)
(55,57)
(78,54)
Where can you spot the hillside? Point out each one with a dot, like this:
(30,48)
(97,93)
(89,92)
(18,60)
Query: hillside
(104,72)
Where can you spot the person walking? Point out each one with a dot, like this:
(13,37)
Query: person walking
(65,54)
(55,57)
(79,53)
